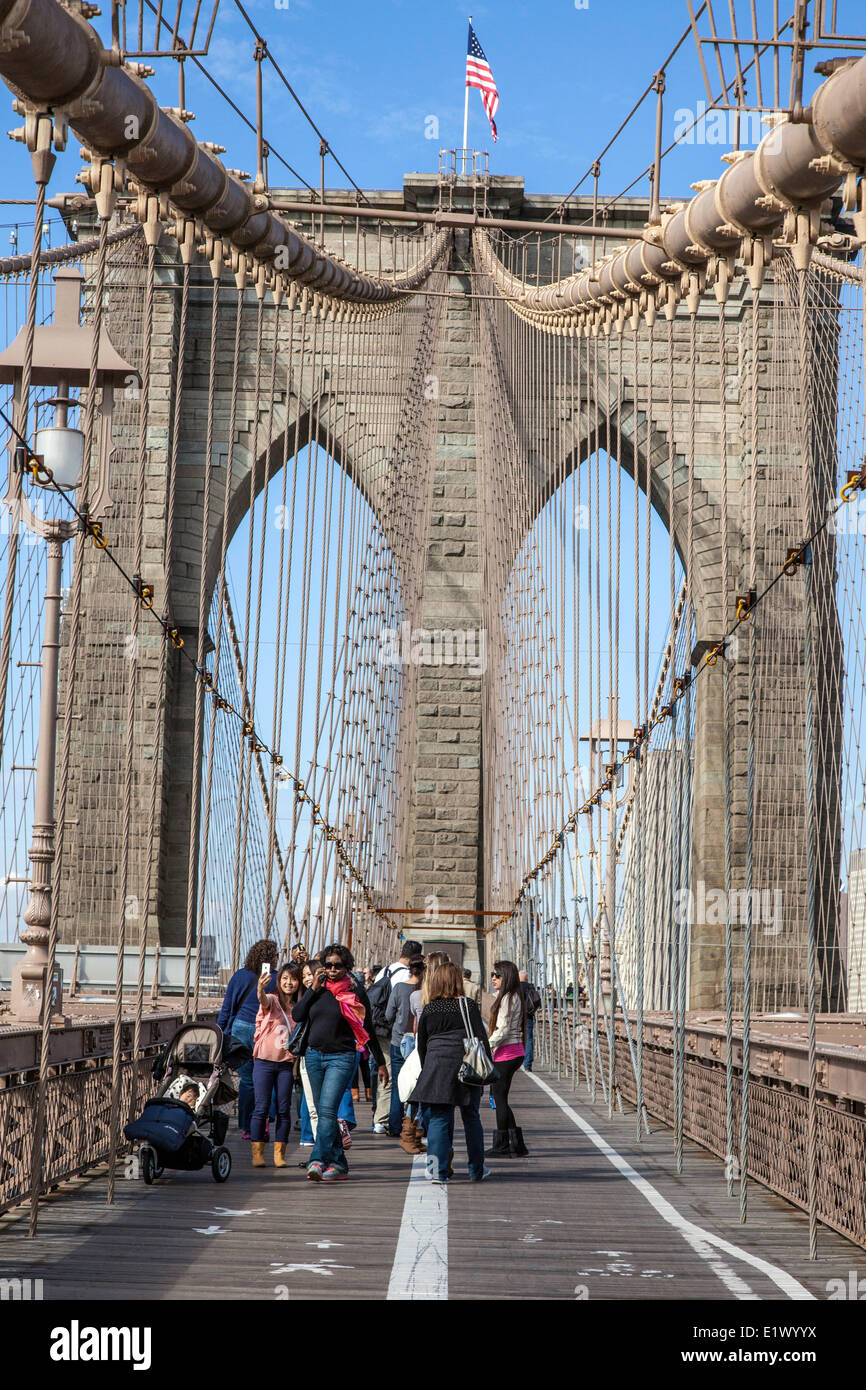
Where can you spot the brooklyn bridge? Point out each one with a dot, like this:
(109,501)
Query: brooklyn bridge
(445,564)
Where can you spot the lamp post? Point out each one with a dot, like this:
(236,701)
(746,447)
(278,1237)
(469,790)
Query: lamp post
(61,358)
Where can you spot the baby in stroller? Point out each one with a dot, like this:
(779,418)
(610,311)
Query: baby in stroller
(190,1094)
(183,1126)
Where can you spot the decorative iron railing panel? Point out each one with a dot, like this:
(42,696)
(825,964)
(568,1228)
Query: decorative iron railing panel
(777,1130)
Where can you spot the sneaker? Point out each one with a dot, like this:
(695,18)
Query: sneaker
(245,1134)
(483,1175)
(379,1129)
(334,1174)
(307,1144)
(315,1172)
(439,1182)
(344,1134)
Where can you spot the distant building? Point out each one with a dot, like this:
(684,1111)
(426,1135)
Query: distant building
(856,934)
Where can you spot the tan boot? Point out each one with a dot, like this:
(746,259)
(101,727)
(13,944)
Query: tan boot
(258,1155)
(410,1140)
(279,1155)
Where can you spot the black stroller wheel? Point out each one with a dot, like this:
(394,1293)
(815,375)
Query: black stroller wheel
(221,1164)
(147,1162)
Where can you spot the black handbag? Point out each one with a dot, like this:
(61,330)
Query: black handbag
(298,1038)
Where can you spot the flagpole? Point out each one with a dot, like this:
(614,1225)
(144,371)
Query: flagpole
(466,112)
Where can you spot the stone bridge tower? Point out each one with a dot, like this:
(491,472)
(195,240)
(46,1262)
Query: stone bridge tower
(446,812)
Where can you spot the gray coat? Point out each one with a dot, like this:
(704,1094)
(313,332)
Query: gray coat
(441,1046)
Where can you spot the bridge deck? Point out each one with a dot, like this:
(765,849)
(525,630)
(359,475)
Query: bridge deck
(565,1223)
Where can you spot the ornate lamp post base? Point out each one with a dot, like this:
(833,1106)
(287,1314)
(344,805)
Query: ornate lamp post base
(29,976)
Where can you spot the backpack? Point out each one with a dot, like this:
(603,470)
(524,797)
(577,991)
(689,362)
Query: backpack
(378,994)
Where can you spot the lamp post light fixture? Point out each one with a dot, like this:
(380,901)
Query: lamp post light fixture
(61,358)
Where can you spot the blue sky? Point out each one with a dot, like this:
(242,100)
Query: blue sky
(371,76)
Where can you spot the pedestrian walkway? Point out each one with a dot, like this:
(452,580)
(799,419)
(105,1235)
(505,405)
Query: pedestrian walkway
(589,1215)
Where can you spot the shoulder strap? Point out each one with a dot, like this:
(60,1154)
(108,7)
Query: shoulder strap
(464,1013)
(241,1002)
(276,1000)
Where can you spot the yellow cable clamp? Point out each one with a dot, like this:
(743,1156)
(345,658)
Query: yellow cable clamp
(856,481)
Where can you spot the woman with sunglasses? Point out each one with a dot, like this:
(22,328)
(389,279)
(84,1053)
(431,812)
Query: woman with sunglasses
(338,1011)
(307,1117)
(507,1041)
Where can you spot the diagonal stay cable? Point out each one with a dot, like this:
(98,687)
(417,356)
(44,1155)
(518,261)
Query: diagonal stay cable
(136,585)
(797,556)
(557,211)
(326,144)
(225,96)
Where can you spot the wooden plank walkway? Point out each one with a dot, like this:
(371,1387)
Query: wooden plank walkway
(564,1224)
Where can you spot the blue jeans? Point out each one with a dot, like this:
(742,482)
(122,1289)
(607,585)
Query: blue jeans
(244,1033)
(268,1078)
(329,1073)
(440,1136)
(530,1044)
(346,1112)
(395,1114)
(307,1136)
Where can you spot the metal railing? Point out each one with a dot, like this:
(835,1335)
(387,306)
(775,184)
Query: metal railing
(78,1110)
(777,1147)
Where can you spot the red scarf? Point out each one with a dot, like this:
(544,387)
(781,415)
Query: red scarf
(351,1008)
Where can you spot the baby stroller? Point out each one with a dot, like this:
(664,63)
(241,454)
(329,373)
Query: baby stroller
(172,1134)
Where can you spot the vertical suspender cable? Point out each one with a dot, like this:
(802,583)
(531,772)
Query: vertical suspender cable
(158,751)
(194,881)
(240,280)
(811,519)
(72,648)
(21,421)
(152,232)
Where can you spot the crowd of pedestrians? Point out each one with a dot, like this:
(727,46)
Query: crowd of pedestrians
(332,1028)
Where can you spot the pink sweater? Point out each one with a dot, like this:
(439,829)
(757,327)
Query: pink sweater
(273,1027)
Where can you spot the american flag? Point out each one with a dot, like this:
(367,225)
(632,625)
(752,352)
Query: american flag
(478,75)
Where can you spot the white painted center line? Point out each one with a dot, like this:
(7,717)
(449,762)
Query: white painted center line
(703,1242)
(420,1269)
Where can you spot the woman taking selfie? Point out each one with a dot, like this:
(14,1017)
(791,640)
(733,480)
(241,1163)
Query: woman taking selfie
(338,1011)
(507,1031)
(441,1044)
(273,1064)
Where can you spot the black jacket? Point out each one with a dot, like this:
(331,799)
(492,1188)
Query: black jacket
(329,1031)
(441,1045)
